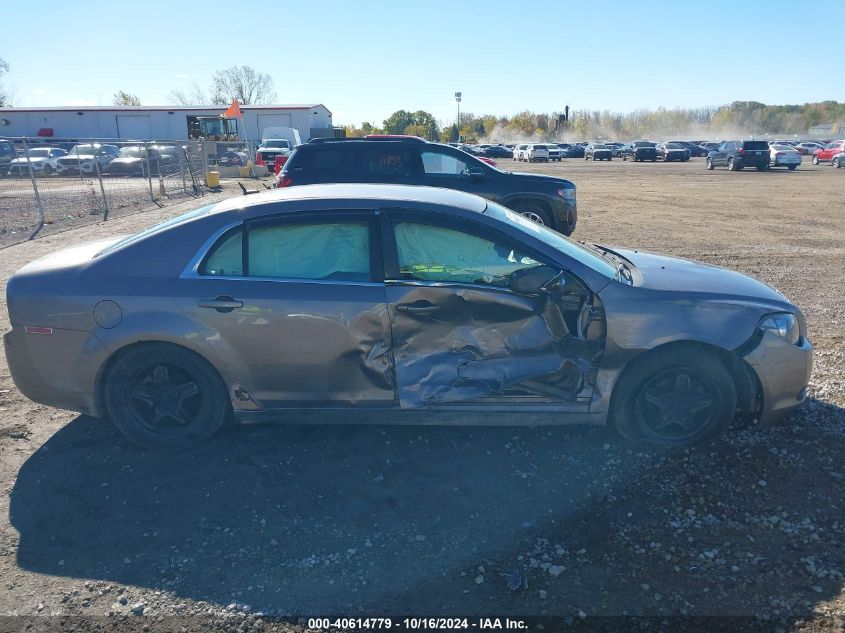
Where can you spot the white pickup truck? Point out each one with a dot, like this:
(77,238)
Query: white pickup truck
(276,141)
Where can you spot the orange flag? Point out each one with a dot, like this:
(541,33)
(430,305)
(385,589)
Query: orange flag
(234,110)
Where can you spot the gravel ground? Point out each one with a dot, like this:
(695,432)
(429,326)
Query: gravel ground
(74,201)
(360,520)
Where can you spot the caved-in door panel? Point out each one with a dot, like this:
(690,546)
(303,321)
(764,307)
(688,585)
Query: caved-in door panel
(457,343)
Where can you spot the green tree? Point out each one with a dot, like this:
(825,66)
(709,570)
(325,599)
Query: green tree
(423,123)
(5,96)
(398,121)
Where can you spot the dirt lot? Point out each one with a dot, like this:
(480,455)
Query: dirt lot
(366,520)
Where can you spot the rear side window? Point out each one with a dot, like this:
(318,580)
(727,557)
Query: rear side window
(225,259)
(323,159)
(384,161)
(310,251)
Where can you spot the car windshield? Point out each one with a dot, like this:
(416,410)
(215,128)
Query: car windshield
(643,144)
(674,146)
(132,152)
(274,142)
(601,147)
(783,148)
(83,149)
(40,152)
(190,215)
(554,239)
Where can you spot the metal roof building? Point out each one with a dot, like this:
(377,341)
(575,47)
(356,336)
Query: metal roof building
(157,122)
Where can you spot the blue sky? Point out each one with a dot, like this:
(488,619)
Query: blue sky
(364,60)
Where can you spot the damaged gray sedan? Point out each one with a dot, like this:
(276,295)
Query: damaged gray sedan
(379,297)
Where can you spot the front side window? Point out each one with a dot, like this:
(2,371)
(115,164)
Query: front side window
(433,253)
(440,164)
(338,252)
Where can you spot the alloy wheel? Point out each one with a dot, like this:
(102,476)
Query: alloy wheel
(165,397)
(676,404)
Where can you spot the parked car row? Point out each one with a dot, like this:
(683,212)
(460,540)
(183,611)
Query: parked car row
(91,158)
(733,154)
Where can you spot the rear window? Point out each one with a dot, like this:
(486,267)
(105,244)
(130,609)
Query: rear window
(755,145)
(540,147)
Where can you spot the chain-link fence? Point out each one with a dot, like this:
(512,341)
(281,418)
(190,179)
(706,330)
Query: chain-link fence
(56,183)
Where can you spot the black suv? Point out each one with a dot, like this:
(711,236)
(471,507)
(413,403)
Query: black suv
(414,161)
(639,150)
(738,154)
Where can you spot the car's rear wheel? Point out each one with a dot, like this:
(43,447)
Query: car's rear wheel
(815,160)
(48,169)
(165,397)
(837,163)
(534,212)
(674,397)
(731,165)
(709,163)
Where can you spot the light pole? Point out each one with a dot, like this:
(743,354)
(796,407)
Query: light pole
(458,101)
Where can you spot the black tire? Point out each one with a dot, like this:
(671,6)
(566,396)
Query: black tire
(731,164)
(835,162)
(48,169)
(165,397)
(762,167)
(709,163)
(674,397)
(535,212)
(815,160)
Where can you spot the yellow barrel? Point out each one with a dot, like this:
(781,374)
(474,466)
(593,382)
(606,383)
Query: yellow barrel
(243,172)
(212,179)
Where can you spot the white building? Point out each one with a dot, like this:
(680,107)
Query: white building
(157,122)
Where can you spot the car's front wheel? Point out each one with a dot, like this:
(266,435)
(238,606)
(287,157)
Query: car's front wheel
(709,163)
(675,397)
(837,163)
(815,160)
(165,397)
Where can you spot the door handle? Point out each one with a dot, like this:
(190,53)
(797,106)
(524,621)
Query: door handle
(221,304)
(419,307)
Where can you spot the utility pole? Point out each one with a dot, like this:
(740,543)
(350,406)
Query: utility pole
(458,101)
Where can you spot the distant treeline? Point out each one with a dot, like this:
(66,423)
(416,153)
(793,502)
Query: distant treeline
(738,118)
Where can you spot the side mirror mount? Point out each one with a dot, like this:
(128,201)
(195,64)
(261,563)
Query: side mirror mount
(477,173)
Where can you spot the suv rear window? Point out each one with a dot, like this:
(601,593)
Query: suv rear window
(322,159)
(755,145)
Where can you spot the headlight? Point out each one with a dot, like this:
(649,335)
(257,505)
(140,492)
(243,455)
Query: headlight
(567,194)
(784,325)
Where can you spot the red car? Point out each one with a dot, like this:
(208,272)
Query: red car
(826,154)
(489,161)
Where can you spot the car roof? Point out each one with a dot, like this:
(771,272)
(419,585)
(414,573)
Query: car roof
(358,191)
